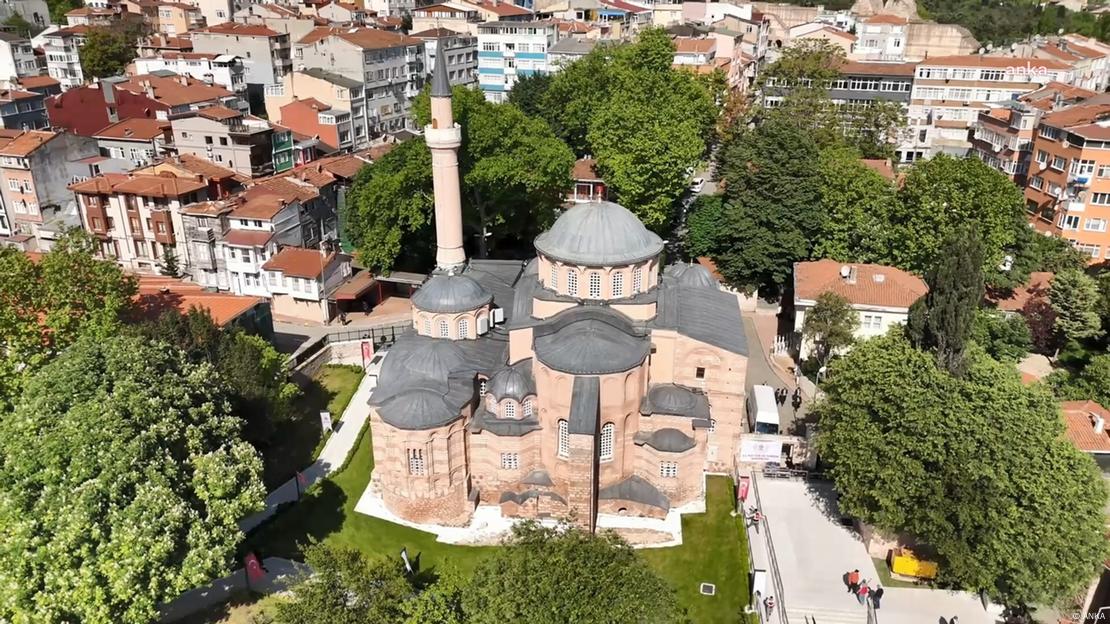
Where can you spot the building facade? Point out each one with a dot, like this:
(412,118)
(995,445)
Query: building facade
(510,49)
(461,50)
(226,137)
(63,59)
(17,57)
(225,70)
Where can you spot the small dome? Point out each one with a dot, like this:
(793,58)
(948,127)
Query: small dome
(676,400)
(450,293)
(512,382)
(670,440)
(689,274)
(599,234)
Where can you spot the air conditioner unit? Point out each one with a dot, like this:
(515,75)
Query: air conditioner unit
(498,315)
(483,325)
(1041,166)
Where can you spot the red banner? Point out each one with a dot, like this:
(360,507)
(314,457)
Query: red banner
(255,572)
(367,352)
(742,488)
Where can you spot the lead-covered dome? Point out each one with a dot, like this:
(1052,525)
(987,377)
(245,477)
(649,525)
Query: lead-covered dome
(599,234)
(449,293)
(689,274)
(512,382)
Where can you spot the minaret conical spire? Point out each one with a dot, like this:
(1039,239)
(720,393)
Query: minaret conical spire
(443,137)
(441,86)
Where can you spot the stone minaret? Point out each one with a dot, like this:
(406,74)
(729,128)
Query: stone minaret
(443,137)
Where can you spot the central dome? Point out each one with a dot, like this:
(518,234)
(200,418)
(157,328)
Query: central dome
(449,293)
(599,234)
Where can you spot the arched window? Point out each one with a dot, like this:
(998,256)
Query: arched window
(444,329)
(509,411)
(595,285)
(572,283)
(554,281)
(427,327)
(618,285)
(564,439)
(637,280)
(527,408)
(464,328)
(606,447)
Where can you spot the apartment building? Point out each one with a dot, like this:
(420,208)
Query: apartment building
(301,282)
(461,50)
(17,57)
(63,60)
(881,38)
(23,110)
(1002,136)
(225,70)
(314,118)
(343,13)
(137,140)
(329,91)
(389,65)
(266,53)
(1068,189)
(157,45)
(568,50)
(39,84)
(392,8)
(510,49)
(226,137)
(464,16)
(1089,58)
(949,93)
(174,18)
(93,16)
(137,218)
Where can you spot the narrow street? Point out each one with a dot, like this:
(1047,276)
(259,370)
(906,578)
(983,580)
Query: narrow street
(760,369)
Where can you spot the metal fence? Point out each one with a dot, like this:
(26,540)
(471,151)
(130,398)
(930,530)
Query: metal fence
(379,335)
(776,576)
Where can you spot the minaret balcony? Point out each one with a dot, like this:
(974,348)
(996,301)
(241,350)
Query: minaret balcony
(443,138)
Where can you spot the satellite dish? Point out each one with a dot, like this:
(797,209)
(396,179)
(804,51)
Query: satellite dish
(1013,47)
(1060,33)
(982,51)
(990,46)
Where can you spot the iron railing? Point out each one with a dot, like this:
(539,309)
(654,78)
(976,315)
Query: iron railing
(776,576)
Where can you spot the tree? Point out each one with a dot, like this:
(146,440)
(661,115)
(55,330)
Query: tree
(169,263)
(772,206)
(1090,382)
(345,586)
(942,194)
(440,602)
(706,214)
(574,95)
(1005,338)
(960,464)
(47,305)
(17,24)
(1074,297)
(528,92)
(552,575)
(856,201)
(59,8)
(830,325)
(942,320)
(122,484)
(106,52)
(1034,252)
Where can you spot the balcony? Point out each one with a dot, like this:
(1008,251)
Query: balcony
(1075,206)
(163,227)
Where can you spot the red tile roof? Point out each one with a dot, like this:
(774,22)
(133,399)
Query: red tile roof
(434,33)
(502,8)
(1035,288)
(173,91)
(585,169)
(248,238)
(26,143)
(871,285)
(365,38)
(299,262)
(689,45)
(877,69)
(885,19)
(881,166)
(218,113)
(157,294)
(1000,62)
(139,128)
(28,82)
(1079,420)
(11,95)
(243,30)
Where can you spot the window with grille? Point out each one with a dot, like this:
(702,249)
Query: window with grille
(554,277)
(464,328)
(510,461)
(564,439)
(427,327)
(595,285)
(572,283)
(482,388)
(668,469)
(509,411)
(637,280)
(527,407)
(712,425)
(607,432)
(444,330)
(416,461)
(618,284)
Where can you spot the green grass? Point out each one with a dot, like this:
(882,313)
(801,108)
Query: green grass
(298,441)
(714,550)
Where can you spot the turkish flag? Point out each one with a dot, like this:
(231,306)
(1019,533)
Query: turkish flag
(742,488)
(255,572)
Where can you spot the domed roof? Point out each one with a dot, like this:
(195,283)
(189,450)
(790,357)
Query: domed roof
(599,234)
(589,341)
(689,274)
(676,400)
(670,440)
(450,293)
(420,359)
(512,382)
(417,409)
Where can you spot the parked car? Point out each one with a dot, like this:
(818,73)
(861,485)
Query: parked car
(697,185)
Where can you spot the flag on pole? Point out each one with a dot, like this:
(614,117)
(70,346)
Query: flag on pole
(255,572)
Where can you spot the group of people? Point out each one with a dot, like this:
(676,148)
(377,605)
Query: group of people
(782,394)
(863,591)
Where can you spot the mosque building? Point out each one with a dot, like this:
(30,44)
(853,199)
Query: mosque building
(587,381)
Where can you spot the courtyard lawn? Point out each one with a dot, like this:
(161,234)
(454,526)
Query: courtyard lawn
(714,550)
(297,442)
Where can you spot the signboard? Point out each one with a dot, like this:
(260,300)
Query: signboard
(760,451)
(367,352)
(325,420)
(742,488)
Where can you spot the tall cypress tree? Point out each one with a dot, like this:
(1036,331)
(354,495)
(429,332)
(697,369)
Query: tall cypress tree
(943,320)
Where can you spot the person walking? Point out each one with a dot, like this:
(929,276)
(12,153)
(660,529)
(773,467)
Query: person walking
(861,595)
(877,596)
(756,519)
(853,581)
(769,604)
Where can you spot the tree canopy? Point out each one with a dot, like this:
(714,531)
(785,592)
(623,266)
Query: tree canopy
(1005,338)
(107,51)
(856,201)
(122,484)
(345,586)
(976,468)
(830,324)
(1074,297)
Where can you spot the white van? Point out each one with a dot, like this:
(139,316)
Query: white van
(763,412)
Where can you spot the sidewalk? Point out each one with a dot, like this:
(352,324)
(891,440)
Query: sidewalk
(334,455)
(281,574)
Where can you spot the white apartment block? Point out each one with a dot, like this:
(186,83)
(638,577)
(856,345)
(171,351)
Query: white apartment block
(17,57)
(510,49)
(461,50)
(63,60)
(225,70)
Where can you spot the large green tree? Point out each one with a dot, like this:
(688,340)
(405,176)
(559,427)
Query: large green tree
(344,587)
(830,325)
(1090,382)
(46,305)
(942,194)
(528,92)
(549,575)
(856,202)
(975,467)
(107,51)
(122,484)
(1074,298)
(1005,337)
(942,320)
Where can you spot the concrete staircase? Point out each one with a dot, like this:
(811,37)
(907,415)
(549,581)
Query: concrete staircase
(850,614)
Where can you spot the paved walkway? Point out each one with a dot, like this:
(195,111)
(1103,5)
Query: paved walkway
(338,447)
(281,574)
(762,372)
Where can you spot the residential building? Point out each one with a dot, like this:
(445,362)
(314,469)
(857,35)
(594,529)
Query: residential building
(23,110)
(137,218)
(218,11)
(285,151)
(389,65)
(1085,425)
(39,84)
(392,8)
(1089,58)
(1067,192)
(567,50)
(334,92)
(266,53)
(175,18)
(880,295)
(343,13)
(301,282)
(1002,136)
(17,57)
(312,117)
(138,140)
(949,93)
(464,16)
(881,38)
(225,70)
(157,45)
(820,31)
(510,49)
(63,60)
(226,137)
(461,50)
(90,16)
(588,185)
(157,294)
(281,18)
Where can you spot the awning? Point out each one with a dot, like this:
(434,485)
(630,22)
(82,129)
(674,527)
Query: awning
(401,277)
(355,286)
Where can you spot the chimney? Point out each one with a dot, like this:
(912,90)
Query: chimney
(1099,425)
